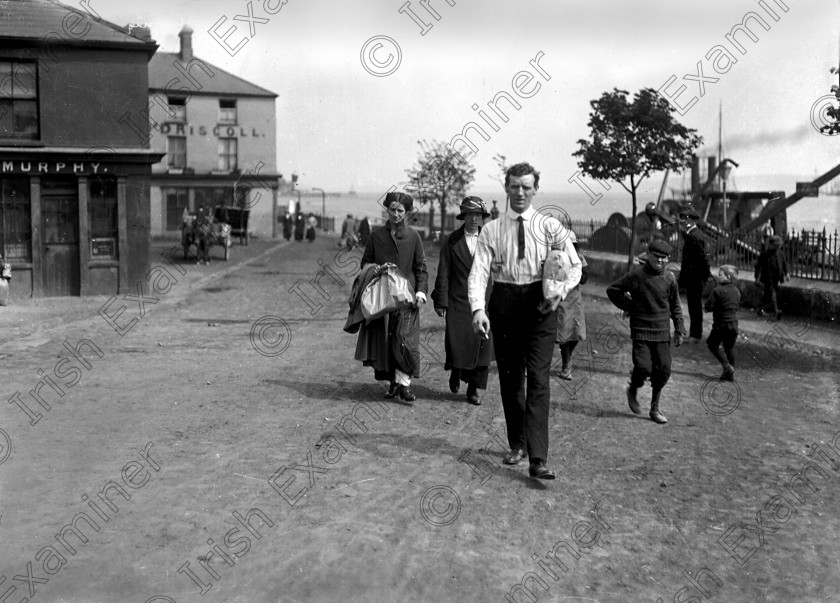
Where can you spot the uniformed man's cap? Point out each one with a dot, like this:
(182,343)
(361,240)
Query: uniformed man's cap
(689,212)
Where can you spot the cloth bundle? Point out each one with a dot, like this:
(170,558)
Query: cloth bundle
(559,277)
(388,292)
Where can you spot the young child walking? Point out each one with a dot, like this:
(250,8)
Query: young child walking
(770,272)
(723,303)
(649,295)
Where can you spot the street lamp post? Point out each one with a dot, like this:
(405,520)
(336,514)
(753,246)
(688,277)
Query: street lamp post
(323,207)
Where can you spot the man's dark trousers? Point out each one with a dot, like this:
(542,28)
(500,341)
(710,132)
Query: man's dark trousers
(694,297)
(524,344)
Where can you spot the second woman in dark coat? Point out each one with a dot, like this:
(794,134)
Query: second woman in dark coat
(468,355)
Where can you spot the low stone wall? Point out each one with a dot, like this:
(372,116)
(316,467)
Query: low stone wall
(818,300)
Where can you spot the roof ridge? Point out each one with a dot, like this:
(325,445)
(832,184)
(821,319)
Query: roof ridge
(177,55)
(97,19)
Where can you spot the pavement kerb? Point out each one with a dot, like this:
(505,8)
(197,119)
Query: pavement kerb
(51,319)
(822,339)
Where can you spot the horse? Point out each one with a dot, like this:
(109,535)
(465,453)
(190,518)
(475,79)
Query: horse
(203,231)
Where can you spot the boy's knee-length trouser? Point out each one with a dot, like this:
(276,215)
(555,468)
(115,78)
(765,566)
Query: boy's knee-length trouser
(651,359)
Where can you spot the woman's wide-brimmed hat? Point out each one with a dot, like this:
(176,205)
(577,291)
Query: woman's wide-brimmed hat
(472,205)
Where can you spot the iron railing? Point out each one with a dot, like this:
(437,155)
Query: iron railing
(810,254)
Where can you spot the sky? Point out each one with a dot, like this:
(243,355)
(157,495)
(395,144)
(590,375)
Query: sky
(340,126)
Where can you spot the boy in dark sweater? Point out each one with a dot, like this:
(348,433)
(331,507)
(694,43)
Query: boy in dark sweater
(650,296)
(771,272)
(723,303)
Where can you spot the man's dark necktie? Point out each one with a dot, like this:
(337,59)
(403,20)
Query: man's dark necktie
(521,239)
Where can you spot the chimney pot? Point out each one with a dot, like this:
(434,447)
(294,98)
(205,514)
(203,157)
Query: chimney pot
(186,43)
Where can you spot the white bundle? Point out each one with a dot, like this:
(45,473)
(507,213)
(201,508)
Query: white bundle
(560,276)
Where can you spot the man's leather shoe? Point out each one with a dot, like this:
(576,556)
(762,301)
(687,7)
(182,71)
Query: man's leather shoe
(633,402)
(392,391)
(540,471)
(406,394)
(454,383)
(472,395)
(514,457)
(658,417)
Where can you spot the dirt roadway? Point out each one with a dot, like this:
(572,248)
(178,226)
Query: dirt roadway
(191,422)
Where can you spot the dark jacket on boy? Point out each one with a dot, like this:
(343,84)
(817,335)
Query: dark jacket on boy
(651,299)
(771,267)
(654,299)
(723,303)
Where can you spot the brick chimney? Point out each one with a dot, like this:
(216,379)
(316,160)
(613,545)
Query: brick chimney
(186,44)
(144,32)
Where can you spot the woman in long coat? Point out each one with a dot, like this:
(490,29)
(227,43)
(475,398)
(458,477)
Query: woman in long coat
(391,344)
(468,355)
(571,321)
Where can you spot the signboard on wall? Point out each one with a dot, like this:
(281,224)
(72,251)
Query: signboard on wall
(103,248)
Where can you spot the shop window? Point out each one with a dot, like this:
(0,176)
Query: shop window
(203,197)
(102,216)
(227,111)
(19,100)
(213,197)
(227,154)
(176,152)
(222,196)
(177,108)
(176,203)
(15,215)
(241,196)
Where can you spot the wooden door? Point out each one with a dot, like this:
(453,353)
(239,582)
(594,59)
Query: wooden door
(60,240)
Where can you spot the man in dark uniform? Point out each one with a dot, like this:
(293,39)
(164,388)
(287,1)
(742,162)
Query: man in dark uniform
(468,354)
(694,271)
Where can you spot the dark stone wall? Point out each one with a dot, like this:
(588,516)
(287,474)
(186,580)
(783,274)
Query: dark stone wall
(818,300)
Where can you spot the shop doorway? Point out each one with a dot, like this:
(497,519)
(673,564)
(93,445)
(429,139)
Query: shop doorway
(60,237)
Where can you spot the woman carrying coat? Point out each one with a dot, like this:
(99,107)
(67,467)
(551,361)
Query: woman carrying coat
(468,355)
(391,344)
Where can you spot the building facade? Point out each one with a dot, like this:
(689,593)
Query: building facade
(74,181)
(217,134)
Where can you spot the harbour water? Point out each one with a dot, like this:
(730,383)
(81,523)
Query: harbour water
(809,213)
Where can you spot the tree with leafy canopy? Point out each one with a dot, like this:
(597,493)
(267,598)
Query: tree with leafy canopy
(630,141)
(439,175)
(833,111)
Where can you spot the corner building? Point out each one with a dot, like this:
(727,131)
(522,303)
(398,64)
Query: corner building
(74,179)
(218,134)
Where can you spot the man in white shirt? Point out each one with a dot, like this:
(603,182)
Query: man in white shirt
(514,247)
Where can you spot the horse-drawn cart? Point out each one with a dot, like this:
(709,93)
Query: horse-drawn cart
(204,232)
(238,220)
